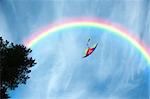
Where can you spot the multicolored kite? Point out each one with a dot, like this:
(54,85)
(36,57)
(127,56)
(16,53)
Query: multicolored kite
(89,50)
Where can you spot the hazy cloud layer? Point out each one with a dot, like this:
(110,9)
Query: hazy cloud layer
(116,70)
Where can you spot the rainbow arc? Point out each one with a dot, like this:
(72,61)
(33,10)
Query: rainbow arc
(100,24)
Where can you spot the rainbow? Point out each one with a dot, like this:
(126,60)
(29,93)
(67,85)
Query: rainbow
(100,24)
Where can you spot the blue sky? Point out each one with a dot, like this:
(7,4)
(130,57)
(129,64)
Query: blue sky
(116,70)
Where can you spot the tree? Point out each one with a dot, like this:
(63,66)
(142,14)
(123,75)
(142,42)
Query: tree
(15,65)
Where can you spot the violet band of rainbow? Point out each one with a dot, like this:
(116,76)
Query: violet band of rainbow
(100,24)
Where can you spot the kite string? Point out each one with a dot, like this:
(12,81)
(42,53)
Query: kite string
(90,36)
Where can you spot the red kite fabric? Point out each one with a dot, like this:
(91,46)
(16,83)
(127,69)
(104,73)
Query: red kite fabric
(89,51)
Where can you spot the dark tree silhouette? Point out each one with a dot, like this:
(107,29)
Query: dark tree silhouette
(15,65)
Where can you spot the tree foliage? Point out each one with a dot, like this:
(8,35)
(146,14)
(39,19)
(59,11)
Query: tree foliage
(15,65)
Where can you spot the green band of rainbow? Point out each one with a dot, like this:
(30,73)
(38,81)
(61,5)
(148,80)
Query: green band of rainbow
(100,24)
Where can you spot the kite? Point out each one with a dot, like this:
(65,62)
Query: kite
(90,50)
